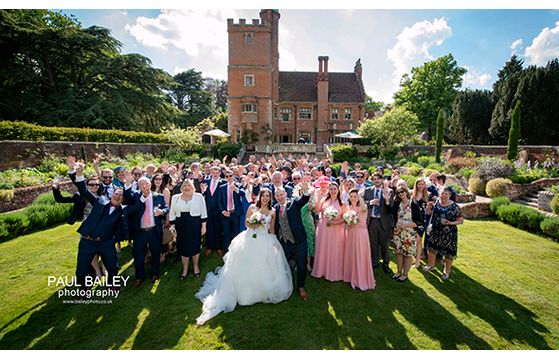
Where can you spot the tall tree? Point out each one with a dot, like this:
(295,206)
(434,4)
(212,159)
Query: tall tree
(218,88)
(188,95)
(504,91)
(440,135)
(471,117)
(431,86)
(371,105)
(54,72)
(514,133)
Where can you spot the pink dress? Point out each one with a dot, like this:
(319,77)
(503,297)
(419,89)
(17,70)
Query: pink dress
(329,247)
(358,268)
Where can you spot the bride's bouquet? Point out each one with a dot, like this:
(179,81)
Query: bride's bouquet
(351,217)
(256,218)
(331,213)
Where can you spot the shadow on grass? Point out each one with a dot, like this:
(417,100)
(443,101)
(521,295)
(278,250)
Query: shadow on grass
(509,319)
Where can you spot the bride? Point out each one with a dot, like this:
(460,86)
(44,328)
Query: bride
(255,268)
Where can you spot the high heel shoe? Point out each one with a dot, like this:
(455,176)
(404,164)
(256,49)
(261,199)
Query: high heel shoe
(182,277)
(428,268)
(197,274)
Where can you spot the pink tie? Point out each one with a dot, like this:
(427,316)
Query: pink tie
(146,218)
(212,188)
(282,212)
(230,199)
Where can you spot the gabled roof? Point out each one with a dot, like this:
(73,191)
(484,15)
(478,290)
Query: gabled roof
(301,87)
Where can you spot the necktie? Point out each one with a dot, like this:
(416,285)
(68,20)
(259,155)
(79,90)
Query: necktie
(212,187)
(376,209)
(282,210)
(146,218)
(106,192)
(230,205)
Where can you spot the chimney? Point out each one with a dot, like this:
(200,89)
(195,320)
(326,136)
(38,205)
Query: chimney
(358,70)
(325,67)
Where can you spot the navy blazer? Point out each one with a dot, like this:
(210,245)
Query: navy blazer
(222,199)
(212,200)
(294,218)
(288,190)
(136,210)
(76,199)
(99,223)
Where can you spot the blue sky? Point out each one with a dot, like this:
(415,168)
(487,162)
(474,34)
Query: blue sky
(389,42)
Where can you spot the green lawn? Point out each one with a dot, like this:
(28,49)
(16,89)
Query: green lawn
(502,295)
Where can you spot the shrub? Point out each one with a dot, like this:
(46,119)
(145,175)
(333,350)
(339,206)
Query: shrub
(476,186)
(492,168)
(15,178)
(496,187)
(409,179)
(414,170)
(457,189)
(470,154)
(42,213)
(466,172)
(523,176)
(550,227)
(229,149)
(555,204)
(520,217)
(20,130)
(6,195)
(454,165)
(343,153)
(498,201)
(424,161)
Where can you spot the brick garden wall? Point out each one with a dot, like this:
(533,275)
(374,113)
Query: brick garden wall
(26,195)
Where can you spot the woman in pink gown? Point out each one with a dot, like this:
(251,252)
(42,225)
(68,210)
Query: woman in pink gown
(358,267)
(330,239)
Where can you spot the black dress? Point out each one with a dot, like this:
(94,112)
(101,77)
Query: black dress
(444,238)
(189,234)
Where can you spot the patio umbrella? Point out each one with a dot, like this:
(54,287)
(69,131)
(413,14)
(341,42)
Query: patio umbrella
(349,135)
(217,133)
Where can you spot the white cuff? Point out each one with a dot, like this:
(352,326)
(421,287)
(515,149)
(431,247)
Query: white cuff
(71,171)
(126,187)
(143,198)
(80,178)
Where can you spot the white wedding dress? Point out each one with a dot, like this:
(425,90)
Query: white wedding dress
(255,270)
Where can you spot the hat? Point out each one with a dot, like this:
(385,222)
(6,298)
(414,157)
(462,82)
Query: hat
(119,168)
(321,180)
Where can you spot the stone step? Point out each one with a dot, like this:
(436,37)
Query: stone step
(527,203)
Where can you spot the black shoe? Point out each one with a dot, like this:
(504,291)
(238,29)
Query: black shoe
(387,270)
(197,274)
(182,277)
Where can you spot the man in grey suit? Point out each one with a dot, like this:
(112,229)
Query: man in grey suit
(380,222)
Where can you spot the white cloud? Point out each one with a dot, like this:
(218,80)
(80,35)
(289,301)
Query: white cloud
(414,43)
(515,45)
(544,47)
(475,79)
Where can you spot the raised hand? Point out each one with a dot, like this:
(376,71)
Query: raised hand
(203,187)
(80,165)
(71,162)
(128,177)
(96,159)
(165,167)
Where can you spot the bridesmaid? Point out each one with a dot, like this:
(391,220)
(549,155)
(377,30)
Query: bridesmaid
(420,196)
(330,239)
(358,267)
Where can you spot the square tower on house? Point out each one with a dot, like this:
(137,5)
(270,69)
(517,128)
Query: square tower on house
(268,106)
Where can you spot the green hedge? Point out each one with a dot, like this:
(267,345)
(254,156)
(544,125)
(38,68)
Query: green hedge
(20,130)
(520,217)
(42,213)
(343,153)
(550,227)
(497,202)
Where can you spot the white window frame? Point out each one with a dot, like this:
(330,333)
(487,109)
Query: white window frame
(309,113)
(247,82)
(248,36)
(285,110)
(335,111)
(346,113)
(245,107)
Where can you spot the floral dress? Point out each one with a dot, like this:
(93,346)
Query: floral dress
(310,230)
(405,242)
(444,238)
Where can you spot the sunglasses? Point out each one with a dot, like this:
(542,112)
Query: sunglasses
(107,177)
(93,184)
(137,174)
(228,176)
(296,178)
(400,192)
(359,177)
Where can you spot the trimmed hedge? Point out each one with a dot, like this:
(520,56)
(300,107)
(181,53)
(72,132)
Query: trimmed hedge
(42,213)
(550,227)
(497,187)
(20,130)
(343,153)
(520,217)
(476,186)
(555,204)
(497,202)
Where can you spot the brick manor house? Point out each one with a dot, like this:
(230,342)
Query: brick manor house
(271,106)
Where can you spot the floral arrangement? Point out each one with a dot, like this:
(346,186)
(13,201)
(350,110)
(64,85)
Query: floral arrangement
(256,218)
(351,217)
(331,213)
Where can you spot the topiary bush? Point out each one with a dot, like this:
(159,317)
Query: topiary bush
(454,165)
(520,217)
(550,227)
(496,187)
(476,186)
(497,202)
(555,204)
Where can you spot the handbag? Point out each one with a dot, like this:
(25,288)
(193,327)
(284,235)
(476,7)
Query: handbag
(430,226)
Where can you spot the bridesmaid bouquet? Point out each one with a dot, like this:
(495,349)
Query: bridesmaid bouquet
(331,213)
(351,217)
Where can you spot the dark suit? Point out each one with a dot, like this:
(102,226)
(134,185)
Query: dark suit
(380,229)
(76,199)
(143,237)
(230,224)
(297,250)
(98,232)
(213,225)
(288,190)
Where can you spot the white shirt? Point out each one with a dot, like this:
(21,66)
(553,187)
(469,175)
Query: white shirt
(196,206)
(151,223)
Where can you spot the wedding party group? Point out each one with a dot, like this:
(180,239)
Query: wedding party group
(264,218)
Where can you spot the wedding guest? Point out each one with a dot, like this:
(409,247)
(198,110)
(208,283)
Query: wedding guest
(118,179)
(306,215)
(405,233)
(277,182)
(358,268)
(150,170)
(330,239)
(347,185)
(441,184)
(394,179)
(159,185)
(380,222)
(230,205)
(360,180)
(420,196)
(146,217)
(137,173)
(445,216)
(189,214)
(210,190)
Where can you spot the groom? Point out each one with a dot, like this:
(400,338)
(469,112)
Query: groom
(291,232)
